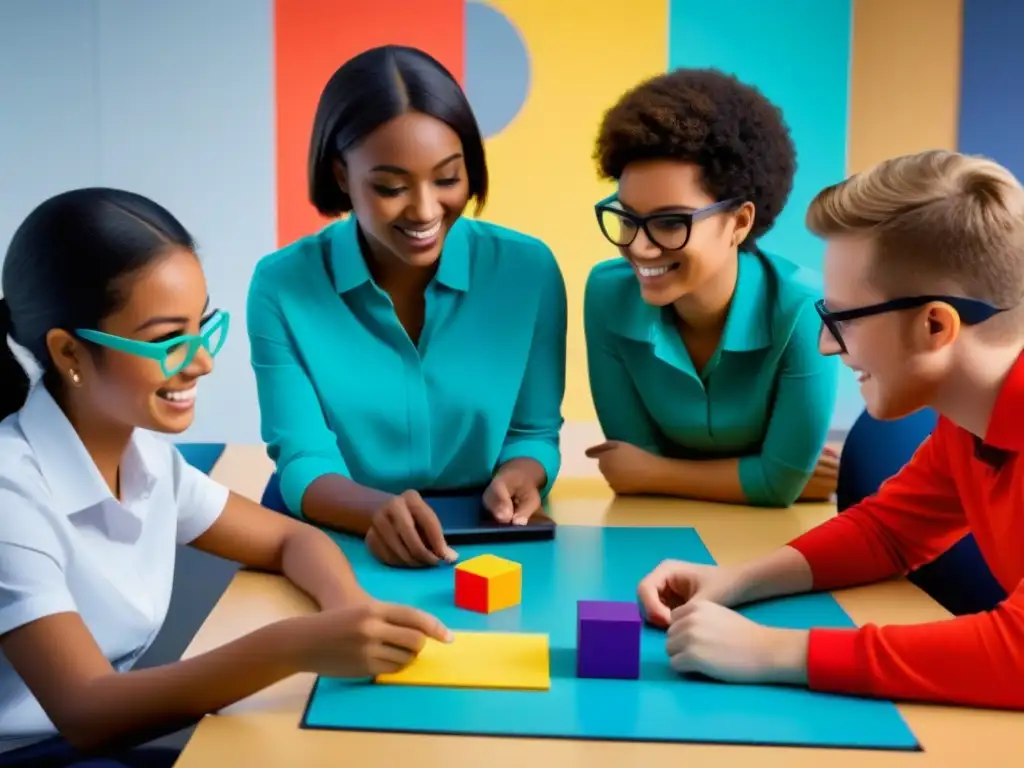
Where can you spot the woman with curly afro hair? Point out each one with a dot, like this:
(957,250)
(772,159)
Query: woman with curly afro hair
(702,349)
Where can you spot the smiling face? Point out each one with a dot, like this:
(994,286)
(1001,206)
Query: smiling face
(902,357)
(165,300)
(408,184)
(667,186)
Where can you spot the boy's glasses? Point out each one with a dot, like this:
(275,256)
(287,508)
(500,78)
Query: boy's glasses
(971,311)
(669,231)
(172,354)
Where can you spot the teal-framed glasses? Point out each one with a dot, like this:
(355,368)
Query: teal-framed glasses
(172,354)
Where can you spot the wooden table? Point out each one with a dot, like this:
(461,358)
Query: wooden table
(264,729)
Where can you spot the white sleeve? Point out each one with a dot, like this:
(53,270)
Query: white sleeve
(32,582)
(200,499)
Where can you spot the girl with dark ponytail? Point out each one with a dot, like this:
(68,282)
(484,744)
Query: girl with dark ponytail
(104,290)
(14,382)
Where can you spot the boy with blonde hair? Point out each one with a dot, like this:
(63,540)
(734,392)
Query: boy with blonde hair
(924,280)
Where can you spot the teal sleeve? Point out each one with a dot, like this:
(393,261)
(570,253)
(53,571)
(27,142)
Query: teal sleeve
(806,390)
(292,423)
(620,411)
(537,415)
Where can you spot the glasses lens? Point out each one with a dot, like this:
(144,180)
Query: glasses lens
(178,357)
(617,228)
(670,232)
(215,335)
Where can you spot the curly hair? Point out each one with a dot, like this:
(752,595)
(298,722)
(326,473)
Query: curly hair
(704,116)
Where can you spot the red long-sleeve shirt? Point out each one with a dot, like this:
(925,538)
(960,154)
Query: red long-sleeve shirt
(953,485)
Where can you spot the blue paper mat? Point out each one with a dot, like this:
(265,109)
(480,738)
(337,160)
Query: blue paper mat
(586,563)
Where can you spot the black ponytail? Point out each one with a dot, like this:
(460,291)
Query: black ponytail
(64,269)
(14,381)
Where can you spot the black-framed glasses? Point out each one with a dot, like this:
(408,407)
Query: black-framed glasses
(971,311)
(669,230)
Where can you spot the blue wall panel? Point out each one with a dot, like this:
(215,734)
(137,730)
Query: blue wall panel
(797,52)
(991,92)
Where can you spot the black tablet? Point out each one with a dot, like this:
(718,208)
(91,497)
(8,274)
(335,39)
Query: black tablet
(465,520)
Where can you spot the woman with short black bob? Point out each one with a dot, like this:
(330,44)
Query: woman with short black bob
(702,347)
(406,349)
(104,290)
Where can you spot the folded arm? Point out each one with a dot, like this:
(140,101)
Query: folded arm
(798,426)
(795,436)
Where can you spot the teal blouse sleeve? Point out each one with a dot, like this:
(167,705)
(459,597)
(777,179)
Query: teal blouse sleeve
(292,423)
(798,426)
(537,416)
(620,411)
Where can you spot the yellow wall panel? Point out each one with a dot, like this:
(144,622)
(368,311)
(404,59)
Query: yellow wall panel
(905,78)
(583,55)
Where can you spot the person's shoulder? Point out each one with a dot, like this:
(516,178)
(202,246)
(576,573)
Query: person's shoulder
(294,259)
(612,279)
(487,239)
(18,465)
(796,285)
(482,233)
(947,435)
(26,507)
(793,291)
(162,458)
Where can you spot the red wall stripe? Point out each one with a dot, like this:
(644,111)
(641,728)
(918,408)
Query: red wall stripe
(312,38)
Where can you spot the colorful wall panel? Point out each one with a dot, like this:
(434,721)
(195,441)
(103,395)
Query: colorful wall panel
(545,181)
(540,82)
(221,135)
(311,39)
(798,54)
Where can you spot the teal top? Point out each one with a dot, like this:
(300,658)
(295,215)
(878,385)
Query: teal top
(342,388)
(765,397)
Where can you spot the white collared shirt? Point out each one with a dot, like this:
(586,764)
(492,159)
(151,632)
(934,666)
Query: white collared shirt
(66,544)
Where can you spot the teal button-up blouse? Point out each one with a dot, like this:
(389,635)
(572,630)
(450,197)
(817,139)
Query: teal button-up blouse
(342,388)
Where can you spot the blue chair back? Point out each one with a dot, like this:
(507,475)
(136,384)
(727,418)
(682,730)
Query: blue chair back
(959,579)
(272,498)
(202,456)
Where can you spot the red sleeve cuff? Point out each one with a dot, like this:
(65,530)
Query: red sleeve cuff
(835,662)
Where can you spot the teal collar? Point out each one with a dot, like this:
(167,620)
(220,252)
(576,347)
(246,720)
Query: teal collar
(747,328)
(349,266)
(749,324)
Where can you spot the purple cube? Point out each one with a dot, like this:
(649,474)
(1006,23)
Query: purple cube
(608,639)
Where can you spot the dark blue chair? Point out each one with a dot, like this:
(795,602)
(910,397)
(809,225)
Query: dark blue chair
(272,498)
(959,579)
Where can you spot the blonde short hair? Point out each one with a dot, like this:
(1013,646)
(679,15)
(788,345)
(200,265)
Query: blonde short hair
(935,218)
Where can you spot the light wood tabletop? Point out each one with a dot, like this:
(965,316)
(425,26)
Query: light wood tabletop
(264,729)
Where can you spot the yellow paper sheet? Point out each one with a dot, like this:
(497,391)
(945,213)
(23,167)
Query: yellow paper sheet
(480,660)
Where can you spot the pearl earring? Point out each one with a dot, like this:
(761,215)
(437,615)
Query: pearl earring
(75,378)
